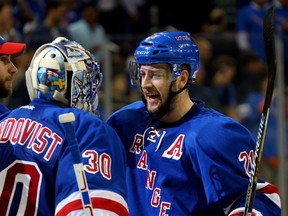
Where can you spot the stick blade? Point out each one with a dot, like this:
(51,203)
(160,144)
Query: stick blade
(268,33)
(269,43)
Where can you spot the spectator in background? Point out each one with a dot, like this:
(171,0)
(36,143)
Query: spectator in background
(121,16)
(224,70)
(121,92)
(249,27)
(201,89)
(27,14)
(249,67)
(7,29)
(142,22)
(179,15)
(217,21)
(89,32)
(254,102)
(206,50)
(220,36)
(51,27)
(202,92)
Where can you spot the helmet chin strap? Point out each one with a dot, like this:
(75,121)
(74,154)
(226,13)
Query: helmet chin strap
(164,110)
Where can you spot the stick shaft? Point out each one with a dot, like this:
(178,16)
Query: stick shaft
(78,165)
(269,43)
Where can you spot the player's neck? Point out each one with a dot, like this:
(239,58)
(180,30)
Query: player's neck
(181,105)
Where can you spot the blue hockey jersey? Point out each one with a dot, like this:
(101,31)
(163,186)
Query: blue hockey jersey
(199,165)
(3,109)
(36,167)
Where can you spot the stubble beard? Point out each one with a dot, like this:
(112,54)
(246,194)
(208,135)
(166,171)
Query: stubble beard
(4,91)
(162,108)
(154,110)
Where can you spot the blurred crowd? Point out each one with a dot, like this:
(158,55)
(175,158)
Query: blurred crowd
(233,73)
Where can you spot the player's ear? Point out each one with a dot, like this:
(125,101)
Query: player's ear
(183,78)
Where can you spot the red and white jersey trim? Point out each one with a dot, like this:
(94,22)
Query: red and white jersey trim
(104,203)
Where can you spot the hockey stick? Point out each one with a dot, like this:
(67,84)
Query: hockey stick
(67,120)
(269,43)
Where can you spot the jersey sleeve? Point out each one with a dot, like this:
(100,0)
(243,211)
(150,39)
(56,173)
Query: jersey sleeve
(224,153)
(3,109)
(104,162)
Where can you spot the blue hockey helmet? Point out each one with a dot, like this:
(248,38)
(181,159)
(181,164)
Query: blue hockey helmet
(64,71)
(174,48)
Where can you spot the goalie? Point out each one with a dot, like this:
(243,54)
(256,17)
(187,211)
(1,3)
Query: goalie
(36,166)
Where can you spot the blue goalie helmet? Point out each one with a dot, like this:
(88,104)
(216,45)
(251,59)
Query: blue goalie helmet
(64,71)
(174,48)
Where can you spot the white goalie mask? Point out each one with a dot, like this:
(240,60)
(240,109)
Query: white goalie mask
(64,71)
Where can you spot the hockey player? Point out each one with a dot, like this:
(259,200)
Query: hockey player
(7,68)
(36,166)
(183,158)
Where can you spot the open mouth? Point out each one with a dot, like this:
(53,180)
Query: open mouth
(152,98)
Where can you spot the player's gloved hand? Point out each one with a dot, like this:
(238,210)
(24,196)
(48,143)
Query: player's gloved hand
(240,212)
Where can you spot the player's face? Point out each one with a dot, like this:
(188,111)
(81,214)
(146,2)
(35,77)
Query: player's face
(155,83)
(7,71)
